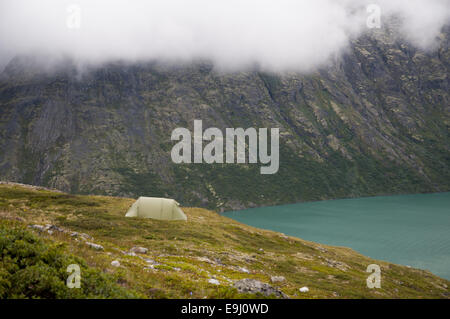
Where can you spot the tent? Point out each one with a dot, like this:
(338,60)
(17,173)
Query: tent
(156,208)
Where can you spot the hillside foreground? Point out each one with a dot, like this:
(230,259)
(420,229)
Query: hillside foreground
(43,231)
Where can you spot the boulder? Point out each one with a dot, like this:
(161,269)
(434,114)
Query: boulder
(86,236)
(53,228)
(115,263)
(244,270)
(139,250)
(214,281)
(95,246)
(277,279)
(255,286)
(38,227)
(304,289)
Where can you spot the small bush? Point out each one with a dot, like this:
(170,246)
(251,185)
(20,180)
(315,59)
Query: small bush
(32,268)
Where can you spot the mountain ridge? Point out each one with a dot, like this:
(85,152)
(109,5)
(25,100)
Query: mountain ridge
(374,122)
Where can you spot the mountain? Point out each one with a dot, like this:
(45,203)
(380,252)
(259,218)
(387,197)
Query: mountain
(374,121)
(42,232)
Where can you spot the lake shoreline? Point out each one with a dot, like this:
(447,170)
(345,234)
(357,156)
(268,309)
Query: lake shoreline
(409,229)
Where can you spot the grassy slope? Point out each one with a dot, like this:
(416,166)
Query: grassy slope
(181,248)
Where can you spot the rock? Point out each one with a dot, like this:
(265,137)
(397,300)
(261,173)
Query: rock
(244,270)
(151,261)
(115,263)
(336,264)
(38,227)
(321,249)
(130,253)
(219,261)
(304,289)
(255,286)
(95,246)
(206,260)
(86,236)
(214,281)
(81,235)
(52,228)
(139,250)
(277,279)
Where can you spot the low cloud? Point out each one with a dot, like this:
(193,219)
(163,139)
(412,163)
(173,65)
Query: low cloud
(276,35)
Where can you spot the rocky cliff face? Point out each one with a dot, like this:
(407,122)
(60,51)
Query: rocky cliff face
(375,121)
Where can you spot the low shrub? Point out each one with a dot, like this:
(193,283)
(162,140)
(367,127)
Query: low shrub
(32,268)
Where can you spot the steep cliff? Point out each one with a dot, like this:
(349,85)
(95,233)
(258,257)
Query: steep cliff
(374,121)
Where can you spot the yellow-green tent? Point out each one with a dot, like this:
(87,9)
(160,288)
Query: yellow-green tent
(156,208)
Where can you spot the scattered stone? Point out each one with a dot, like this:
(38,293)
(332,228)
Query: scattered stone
(115,263)
(304,289)
(256,286)
(244,270)
(139,250)
(176,269)
(218,261)
(277,279)
(86,236)
(206,260)
(321,249)
(95,246)
(81,235)
(214,281)
(151,261)
(130,253)
(52,228)
(38,227)
(336,264)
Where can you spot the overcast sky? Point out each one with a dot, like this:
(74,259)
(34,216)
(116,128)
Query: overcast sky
(275,34)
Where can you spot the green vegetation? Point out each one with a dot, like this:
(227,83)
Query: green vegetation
(308,180)
(31,267)
(182,256)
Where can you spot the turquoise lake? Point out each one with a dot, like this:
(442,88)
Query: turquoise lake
(411,230)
